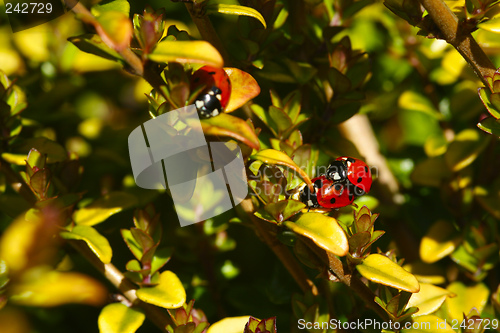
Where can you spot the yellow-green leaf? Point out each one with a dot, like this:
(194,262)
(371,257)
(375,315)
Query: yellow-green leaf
(467,298)
(323,230)
(490,125)
(226,125)
(54,288)
(428,324)
(276,157)
(96,242)
(115,29)
(485,96)
(440,241)
(243,88)
(425,273)
(465,148)
(119,318)
(102,208)
(169,293)
(492,25)
(236,10)
(229,325)
(122,6)
(428,299)
(380,269)
(199,52)
(93,44)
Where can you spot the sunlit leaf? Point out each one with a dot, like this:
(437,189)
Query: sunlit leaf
(441,240)
(428,299)
(492,25)
(490,125)
(96,242)
(485,95)
(243,88)
(119,318)
(56,288)
(169,293)
(229,325)
(199,52)
(275,157)
(323,230)
(429,324)
(236,10)
(225,125)
(468,297)
(465,148)
(115,29)
(380,269)
(121,6)
(102,208)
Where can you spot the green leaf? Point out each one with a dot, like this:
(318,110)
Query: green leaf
(169,293)
(380,269)
(104,207)
(429,324)
(47,289)
(490,125)
(243,88)
(275,157)
(119,318)
(132,244)
(199,52)
(54,151)
(485,95)
(323,230)
(160,258)
(284,209)
(93,44)
(121,6)
(225,125)
(492,25)
(281,119)
(96,242)
(441,240)
(465,148)
(115,29)
(475,296)
(236,10)
(229,325)
(428,299)
(4,273)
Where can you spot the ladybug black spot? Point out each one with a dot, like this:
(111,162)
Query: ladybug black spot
(359,180)
(332,200)
(211,73)
(366,169)
(350,159)
(318,183)
(196,79)
(338,187)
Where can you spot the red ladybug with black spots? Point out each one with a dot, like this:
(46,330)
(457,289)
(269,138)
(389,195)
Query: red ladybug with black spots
(215,93)
(356,171)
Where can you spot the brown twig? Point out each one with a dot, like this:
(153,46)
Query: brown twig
(461,39)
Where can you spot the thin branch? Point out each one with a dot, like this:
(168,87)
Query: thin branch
(207,31)
(462,40)
(280,250)
(158,316)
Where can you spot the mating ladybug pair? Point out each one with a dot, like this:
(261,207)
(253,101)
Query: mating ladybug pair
(214,97)
(345,179)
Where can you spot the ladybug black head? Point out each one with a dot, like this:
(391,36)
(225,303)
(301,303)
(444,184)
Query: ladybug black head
(209,104)
(337,171)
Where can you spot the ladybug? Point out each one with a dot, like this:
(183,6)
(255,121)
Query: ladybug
(215,93)
(327,194)
(358,173)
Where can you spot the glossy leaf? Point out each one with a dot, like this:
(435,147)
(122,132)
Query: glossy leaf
(93,44)
(380,269)
(199,52)
(236,10)
(490,125)
(56,288)
(169,293)
(121,6)
(119,318)
(429,324)
(229,325)
(284,209)
(243,88)
(485,96)
(464,150)
(492,25)
(475,296)
(428,299)
(132,244)
(95,241)
(102,208)
(323,230)
(275,157)
(115,29)
(440,241)
(225,125)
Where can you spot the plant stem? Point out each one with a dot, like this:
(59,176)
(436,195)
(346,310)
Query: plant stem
(207,31)
(462,40)
(158,316)
(280,250)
